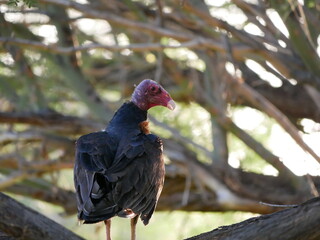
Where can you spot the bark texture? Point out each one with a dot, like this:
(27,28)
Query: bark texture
(20,222)
(298,223)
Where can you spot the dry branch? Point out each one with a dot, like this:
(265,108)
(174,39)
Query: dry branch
(21,222)
(227,123)
(298,223)
(137,47)
(266,106)
(239,49)
(56,121)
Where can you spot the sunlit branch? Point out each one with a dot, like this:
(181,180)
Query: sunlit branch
(228,124)
(240,49)
(112,18)
(137,47)
(211,21)
(262,103)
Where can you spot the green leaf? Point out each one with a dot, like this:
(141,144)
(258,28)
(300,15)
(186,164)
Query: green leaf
(29,3)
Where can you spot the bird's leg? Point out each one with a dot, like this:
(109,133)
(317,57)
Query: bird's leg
(133,227)
(108,226)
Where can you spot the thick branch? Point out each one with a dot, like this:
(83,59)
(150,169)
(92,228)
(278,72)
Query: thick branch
(298,223)
(21,222)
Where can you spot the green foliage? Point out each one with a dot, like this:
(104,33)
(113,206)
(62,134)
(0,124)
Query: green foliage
(260,127)
(29,3)
(192,120)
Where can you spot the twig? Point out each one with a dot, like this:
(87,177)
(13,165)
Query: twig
(304,23)
(279,205)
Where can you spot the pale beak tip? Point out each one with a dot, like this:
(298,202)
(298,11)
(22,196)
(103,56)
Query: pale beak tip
(171,105)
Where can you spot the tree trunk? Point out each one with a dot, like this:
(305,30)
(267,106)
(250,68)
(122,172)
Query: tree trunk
(297,223)
(20,222)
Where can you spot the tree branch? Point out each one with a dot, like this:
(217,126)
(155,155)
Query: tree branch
(298,223)
(137,47)
(262,103)
(21,222)
(56,121)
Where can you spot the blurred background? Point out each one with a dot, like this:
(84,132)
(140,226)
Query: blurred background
(245,75)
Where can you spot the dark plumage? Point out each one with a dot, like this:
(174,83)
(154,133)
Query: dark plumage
(120,171)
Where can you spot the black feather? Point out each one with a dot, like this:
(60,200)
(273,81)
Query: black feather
(119,169)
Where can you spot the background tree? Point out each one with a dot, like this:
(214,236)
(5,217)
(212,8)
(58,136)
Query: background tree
(67,65)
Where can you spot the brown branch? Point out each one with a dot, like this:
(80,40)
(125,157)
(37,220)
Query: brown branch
(22,170)
(226,122)
(285,98)
(199,199)
(45,191)
(137,47)
(115,19)
(239,49)
(298,223)
(271,32)
(214,22)
(258,148)
(228,198)
(13,161)
(22,222)
(216,89)
(55,121)
(266,106)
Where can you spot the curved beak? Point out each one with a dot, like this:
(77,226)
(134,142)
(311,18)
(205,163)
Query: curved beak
(171,105)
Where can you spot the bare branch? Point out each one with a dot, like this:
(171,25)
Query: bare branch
(305,218)
(262,103)
(137,47)
(21,222)
(56,121)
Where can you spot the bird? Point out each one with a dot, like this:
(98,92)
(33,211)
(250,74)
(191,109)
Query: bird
(120,170)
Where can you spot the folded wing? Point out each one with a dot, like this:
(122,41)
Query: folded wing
(121,178)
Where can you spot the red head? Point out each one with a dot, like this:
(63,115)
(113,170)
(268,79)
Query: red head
(149,94)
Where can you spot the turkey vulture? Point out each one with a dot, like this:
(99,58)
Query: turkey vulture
(120,171)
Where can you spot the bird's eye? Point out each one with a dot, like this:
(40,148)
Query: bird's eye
(153,88)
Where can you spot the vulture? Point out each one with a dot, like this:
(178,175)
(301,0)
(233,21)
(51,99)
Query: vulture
(120,171)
